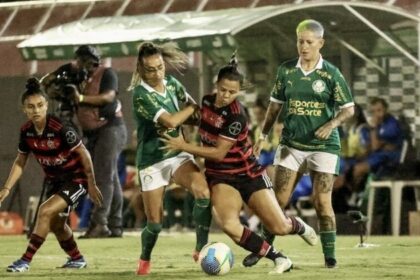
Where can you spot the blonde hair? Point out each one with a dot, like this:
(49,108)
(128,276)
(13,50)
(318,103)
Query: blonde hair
(170,53)
(311,25)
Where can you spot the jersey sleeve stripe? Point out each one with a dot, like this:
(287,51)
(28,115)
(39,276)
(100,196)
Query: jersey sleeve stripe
(22,152)
(158,114)
(272,99)
(227,138)
(347,105)
(77,146)
(189,98)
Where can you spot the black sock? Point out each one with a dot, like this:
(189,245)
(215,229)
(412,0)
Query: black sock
(273,254)
(268,236)
(70,247)
(252,242)
(35,242)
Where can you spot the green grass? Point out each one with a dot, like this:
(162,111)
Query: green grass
(394,258)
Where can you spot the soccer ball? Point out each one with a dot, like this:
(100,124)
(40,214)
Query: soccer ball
(216,258)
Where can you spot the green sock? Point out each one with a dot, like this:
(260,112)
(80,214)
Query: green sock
(148,239)
(268,236)
(202,219)
(328,243)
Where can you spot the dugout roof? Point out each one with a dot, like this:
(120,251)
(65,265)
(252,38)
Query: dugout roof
(366,29)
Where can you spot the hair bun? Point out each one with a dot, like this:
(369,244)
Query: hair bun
(33,85)
(233,60)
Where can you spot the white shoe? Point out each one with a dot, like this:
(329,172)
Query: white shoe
(283,264)
(309,235)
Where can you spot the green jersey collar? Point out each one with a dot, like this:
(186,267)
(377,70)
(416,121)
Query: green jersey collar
(317,66)
(150,89)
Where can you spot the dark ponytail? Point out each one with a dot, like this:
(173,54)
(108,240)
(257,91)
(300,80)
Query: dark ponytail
(230,71)
(33,87)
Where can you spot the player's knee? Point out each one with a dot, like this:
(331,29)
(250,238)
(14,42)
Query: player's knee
(318,205)
(45,213)
(201,190)
(57,228)
(230,227)
(323,207)
(154,218)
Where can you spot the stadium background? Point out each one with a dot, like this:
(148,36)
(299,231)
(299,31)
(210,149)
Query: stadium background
(372,65)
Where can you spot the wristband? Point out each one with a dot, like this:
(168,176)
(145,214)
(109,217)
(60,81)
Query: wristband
(263,136)
(81,97)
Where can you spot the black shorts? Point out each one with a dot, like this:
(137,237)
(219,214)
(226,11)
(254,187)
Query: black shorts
(245,184)
(71,192)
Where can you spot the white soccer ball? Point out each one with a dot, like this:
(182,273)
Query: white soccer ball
(216,258)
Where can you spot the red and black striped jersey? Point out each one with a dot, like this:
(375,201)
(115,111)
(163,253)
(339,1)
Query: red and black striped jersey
(230,123)
(54,149)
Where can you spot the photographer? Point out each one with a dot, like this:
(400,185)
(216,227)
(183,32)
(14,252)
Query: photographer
(93,88)
(59,88)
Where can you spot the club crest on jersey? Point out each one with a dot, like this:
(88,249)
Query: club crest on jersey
(170,88)
(235,128)
(50,144)
(71,137)
(147,179)
(318,86)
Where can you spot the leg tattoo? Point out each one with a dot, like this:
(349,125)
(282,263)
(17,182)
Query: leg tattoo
(327,223)
(283,177)
(325,182)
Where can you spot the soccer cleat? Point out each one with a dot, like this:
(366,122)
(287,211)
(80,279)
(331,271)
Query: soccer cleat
(18,266)
(282,264)
(195,255)
(251,260)
(143,267)
(309,235)
(76,264)
(331,263)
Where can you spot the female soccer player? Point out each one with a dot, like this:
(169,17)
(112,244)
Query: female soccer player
(68,170)
(234,173)
(161,104)
(310,88)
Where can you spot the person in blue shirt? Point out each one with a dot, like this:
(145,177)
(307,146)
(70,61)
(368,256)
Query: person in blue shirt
(386,140)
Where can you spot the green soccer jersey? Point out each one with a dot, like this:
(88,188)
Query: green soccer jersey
(148,105)
(311,100)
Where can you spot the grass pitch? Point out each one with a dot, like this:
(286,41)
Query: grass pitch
(393,258)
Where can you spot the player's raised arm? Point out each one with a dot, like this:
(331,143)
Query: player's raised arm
(176,119)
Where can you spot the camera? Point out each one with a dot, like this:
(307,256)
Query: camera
(66,78)
(62,88)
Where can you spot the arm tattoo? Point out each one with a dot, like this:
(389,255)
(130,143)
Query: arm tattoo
(327,223)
